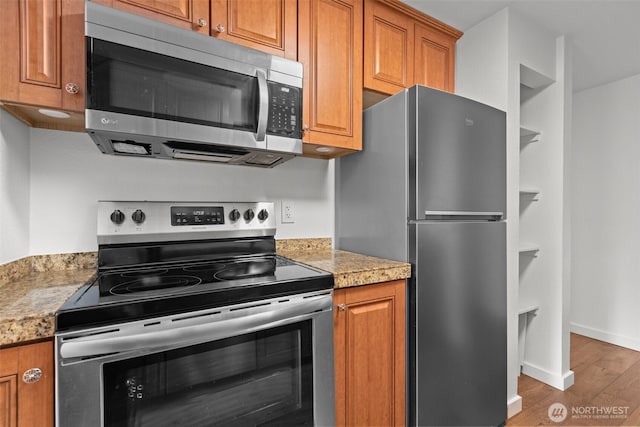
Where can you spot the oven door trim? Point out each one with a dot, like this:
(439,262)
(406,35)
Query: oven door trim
(185,330)
(78,377)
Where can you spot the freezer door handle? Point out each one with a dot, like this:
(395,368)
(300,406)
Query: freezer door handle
(463,215)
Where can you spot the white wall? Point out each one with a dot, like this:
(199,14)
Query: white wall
(606,213)
(14,188)
(482,63)
(50,182)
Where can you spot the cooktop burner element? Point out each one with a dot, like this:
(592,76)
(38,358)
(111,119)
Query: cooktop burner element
(158,258)
(155,283)
(242,269)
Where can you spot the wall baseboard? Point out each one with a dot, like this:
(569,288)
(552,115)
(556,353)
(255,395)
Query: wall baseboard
(514,406)
(610,337)
(561,382)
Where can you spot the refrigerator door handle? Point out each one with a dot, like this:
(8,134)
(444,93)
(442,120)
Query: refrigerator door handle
(463,215)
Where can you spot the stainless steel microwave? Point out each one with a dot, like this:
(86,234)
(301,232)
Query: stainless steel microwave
(155,90)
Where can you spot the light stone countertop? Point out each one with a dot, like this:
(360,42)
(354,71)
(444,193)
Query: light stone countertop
(351,269)
(28,304)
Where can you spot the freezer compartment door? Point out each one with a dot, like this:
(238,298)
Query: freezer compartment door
(460,154)
(459,324)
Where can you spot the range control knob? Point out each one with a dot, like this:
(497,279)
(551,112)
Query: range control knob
(249,214)
(263,214)
(234,215)
(117,217)
(138,217)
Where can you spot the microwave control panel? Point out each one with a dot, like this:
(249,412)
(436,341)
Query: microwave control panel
(285,110)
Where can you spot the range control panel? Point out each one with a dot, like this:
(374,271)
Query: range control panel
(197,215)
(138,222)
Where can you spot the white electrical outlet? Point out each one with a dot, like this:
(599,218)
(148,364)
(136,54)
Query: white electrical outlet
(288,214)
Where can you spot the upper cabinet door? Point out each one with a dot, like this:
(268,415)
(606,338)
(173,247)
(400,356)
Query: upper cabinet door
(266,25)
(388,48)
(404,47)
(434,59)
(189,14)
(330,49)
(42,44)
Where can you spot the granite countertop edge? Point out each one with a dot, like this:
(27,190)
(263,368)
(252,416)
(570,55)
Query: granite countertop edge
(32,289)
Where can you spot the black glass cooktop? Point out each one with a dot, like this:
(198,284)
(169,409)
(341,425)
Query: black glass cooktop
(143,292)
(158,280)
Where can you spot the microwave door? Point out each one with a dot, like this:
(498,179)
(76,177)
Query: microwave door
(146,84)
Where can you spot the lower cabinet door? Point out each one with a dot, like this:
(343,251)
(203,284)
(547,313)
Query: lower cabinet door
(370,354)
(27,385)
(8,401)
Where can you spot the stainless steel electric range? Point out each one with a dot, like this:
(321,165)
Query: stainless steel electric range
(193,320)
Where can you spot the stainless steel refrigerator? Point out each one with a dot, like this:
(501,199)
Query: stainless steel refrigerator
(429,188)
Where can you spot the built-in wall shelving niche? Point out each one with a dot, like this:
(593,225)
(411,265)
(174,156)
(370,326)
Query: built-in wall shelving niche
(528,136)
(529,249)
(530,193)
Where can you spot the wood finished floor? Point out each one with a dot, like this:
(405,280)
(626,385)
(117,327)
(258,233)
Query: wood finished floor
(605,376)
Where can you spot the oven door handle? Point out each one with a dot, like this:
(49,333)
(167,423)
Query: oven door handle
(180,336)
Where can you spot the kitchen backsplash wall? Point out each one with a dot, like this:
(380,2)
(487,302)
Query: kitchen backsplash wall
(14,188)
(68,175)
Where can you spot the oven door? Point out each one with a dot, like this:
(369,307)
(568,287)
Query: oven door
(269,363)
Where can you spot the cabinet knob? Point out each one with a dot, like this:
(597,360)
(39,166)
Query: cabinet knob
(305,127)
(32,375)
(202,22)
(220,28)
(341,307)
(72,88)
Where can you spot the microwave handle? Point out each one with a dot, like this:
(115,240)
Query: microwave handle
(263,101)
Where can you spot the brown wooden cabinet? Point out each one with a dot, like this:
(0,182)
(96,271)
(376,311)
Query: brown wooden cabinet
(44,56)
(388,48)
(403,47)
(434,59)
(369,335)
(330,49)
(189,14)
(23,401)
(42,43)
(267,25)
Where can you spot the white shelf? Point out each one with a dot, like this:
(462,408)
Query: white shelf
(531,193)
(528,136)
(533,79)
(532,309)
(529,249)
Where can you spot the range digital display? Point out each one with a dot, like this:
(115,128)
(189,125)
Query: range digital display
(197,215)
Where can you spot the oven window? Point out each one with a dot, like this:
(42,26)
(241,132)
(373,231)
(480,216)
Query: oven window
(257,379)
(126,80)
